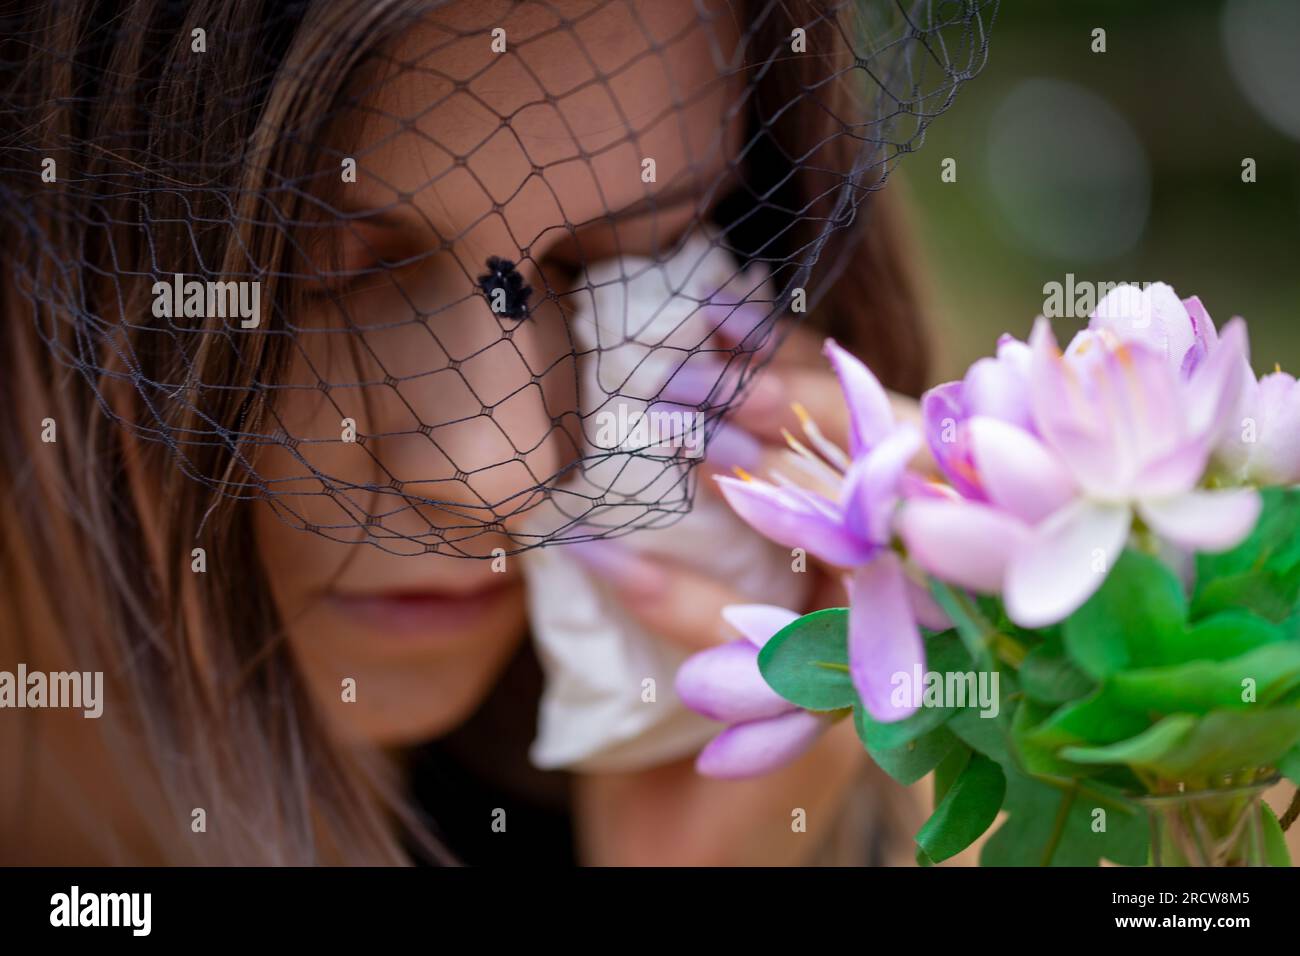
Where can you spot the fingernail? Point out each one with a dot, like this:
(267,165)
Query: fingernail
(736,323)
(731,447)
(692,383)
(621,567)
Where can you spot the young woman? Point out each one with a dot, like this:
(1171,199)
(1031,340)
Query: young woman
(214,140)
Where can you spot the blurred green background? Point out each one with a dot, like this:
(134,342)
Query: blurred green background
(1118,166)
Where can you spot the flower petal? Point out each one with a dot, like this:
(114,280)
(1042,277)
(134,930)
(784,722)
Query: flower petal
(965,543)
(1215,389)
(883,636)
(759,746)
(999,387)
(870,416)
(757,623)
(1153,316)
(873,485)
(926,609)
(788,521)
(1276,455)
(1204,520)
(1205,336)
(1064,561)
(944,418)
(1019,473)
(724,683)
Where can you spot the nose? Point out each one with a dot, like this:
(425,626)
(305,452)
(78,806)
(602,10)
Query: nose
(473,442)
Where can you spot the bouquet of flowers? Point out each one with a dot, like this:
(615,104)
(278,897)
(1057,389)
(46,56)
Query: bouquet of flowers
(1087,625)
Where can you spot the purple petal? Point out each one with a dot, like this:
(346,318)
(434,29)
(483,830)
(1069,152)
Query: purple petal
(1019,473)
(724,683)
(1204,520)
(965,543)
(999,387)
(759,746)
(873,485)
(1205,336)
(757,623)
(883,637)
(944,417)
(926,609)
(1064,561)
(870,416)
(1213,393)
(784,518)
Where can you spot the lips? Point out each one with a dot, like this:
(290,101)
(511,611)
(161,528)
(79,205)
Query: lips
(425,613)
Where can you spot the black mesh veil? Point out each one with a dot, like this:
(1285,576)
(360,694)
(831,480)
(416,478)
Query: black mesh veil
(449,277)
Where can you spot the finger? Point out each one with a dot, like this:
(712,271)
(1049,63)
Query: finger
(787,344)
(780,392)
(682,606)
(783,399)
(670,815)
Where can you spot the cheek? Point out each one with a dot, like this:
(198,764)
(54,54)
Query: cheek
(429,422)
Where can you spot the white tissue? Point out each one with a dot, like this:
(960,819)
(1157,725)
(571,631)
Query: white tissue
(642,322)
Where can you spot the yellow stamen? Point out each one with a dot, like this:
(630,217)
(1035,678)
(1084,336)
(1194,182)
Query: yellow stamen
(741,473)
(804,418)
(1277,368)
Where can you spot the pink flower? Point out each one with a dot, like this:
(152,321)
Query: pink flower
(724,683)
(1117,432)
(1262,446)
(1179,330)
(994,388)
(846,519)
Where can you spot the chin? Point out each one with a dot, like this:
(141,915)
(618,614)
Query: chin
(406,692)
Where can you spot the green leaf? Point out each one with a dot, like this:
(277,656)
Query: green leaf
(807,661)
(1048,676)
(1097,719)
(1270,594)
(1035,757)
(988,735)
(1226,635)
(949,769)
(1223,741)
(1060,826)
(1289,765)
(1202,686)
(914,759)
(966,811)
(1273,545)
(1142,750)
(944,654)
(1134,619)
(975,631)
(1276,852)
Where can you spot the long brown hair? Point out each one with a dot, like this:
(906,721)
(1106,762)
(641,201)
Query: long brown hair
(209,711)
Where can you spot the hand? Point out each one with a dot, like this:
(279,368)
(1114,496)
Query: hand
(670,814)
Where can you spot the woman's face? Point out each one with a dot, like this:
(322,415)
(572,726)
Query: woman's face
(464,152)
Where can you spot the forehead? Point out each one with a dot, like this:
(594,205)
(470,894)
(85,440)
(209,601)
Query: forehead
(548,122)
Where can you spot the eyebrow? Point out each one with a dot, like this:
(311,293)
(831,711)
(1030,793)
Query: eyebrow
(405,217)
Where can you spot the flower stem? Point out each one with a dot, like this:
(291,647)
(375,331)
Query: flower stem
(1058,827)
